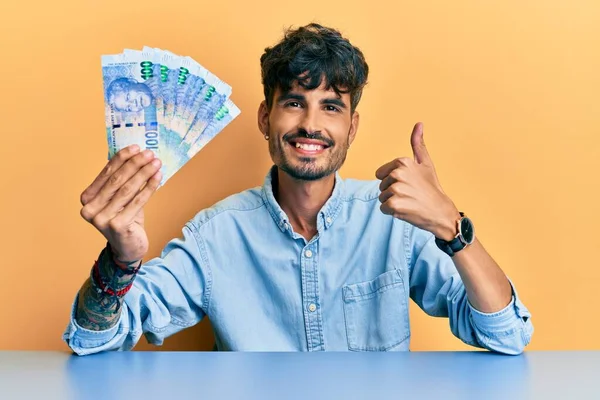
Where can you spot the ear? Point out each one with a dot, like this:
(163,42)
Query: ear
(353,127)
(263,118)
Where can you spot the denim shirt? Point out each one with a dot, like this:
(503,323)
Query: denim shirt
(266,288)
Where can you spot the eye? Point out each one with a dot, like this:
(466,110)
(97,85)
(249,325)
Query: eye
(332,108)
(293,104)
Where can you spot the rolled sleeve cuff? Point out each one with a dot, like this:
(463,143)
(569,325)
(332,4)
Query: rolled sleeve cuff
(85,341)
(505,321)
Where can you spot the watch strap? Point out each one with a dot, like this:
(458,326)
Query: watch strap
(453,246)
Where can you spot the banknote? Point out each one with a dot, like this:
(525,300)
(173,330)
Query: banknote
(226,113)
(167,103)
(152,60)
(130,89)
(212,99)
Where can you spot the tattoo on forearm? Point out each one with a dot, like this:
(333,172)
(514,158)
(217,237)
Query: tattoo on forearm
(96,309)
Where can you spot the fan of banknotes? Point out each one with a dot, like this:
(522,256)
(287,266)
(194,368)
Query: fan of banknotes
(167,103)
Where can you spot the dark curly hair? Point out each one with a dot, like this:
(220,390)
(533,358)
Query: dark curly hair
(310,54)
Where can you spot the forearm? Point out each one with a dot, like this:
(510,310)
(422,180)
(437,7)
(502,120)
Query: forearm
(487,287)
(96,311)
(101,296)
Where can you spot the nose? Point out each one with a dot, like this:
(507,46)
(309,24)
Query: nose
(310,121)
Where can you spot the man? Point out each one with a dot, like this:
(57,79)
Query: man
(308,261)
(128,95)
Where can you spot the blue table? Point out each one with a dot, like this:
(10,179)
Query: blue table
(307,376)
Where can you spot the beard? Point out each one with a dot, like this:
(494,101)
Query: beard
(307,168)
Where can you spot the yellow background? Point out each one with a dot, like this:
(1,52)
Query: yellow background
(507,90)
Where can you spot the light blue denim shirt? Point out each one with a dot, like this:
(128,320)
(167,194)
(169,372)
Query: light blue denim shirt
(264,287)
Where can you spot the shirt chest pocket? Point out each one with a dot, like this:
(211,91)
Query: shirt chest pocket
(376,313)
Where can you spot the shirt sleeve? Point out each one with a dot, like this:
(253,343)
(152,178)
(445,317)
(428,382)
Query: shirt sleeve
(170,293)
(436,287)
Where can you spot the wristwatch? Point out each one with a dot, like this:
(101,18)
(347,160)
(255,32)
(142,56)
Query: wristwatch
(464,237)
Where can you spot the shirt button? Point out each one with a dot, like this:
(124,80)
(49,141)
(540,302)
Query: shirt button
(328,220)
(312,307)
(308,253)
(285,226)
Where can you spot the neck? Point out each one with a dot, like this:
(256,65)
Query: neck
(302,200)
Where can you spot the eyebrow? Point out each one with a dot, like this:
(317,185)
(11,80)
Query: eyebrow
(335,102)
(299,97)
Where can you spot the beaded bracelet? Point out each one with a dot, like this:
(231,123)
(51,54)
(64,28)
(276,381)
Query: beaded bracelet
(108,285)
(102,285)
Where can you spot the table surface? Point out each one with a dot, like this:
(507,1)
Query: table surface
(252,375)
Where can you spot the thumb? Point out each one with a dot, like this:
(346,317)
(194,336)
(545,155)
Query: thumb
(418,145)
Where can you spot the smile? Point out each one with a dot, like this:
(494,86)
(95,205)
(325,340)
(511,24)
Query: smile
(308,146)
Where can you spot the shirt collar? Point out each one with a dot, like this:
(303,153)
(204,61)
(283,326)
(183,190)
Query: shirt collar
(327,214)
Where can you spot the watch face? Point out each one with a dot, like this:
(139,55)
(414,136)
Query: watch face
(466,229)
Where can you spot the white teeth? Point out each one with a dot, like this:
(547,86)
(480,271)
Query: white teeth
(309,147)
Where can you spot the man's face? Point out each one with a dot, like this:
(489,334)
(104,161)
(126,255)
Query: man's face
(133,99)
(309,131)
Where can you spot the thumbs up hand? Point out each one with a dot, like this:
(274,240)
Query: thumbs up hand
(410,191)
